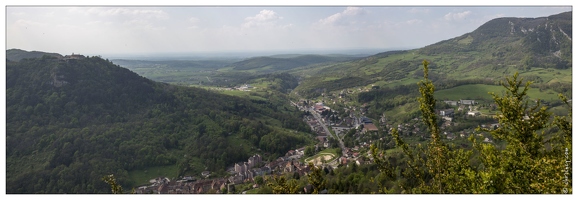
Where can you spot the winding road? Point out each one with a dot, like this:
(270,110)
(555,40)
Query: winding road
(316,115)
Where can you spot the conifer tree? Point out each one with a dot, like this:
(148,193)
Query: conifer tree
(531,162)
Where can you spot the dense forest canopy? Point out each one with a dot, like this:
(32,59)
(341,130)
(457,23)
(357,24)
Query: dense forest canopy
(72,121)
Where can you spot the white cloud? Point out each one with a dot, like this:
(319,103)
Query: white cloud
(264,15)
(457,16)
(353,11)
(136,29)
(340,18)
(193,21)
(111,12)
(264,18)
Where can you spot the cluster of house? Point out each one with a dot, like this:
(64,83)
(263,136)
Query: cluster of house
(245,87)
(187,185)
(447,114)
(243,172)
(247,171)
(67,58)
(73,57)
(317,126)
(461,102)
(354,155)
(319,108)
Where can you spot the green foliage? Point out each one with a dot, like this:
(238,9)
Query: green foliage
(259,180)
(531,161)
(17,54)
(280,185)
(315,87)
(526,165)
(479,57)
(114,186)
(179,71)
(309,151)
(90,117)
(316,179)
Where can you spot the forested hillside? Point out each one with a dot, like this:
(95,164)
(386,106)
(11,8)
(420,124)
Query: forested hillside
(539,48)
(521,43)
(70,122)
(18,54)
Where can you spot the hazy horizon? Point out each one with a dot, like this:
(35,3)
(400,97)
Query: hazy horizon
(247,54)
(114,31)
(232,54)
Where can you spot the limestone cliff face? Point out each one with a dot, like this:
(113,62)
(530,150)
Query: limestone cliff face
(519,42)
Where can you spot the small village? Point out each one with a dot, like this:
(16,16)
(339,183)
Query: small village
(319,120)
(245,172)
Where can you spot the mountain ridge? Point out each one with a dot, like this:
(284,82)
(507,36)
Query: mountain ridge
(77,120)
(498,47)
(19,54)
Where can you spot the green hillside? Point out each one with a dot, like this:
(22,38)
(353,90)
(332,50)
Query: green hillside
(481,92)
(538,48)
(18,54)
(71,122)
(183,72)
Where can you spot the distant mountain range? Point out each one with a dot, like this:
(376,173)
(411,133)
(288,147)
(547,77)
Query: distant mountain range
(498,48)
(18,54)
(287,62)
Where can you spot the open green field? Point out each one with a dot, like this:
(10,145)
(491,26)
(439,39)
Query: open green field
(402,113)
(561,110)
(480,92)
(550,75)
(253,94)
(142,176)
(244,94)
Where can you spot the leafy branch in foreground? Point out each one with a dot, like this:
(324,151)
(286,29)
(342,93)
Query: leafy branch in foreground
(280,185)
(115,187)
(315,178)
(531,162)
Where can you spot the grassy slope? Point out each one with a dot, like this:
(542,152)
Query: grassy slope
(480,92)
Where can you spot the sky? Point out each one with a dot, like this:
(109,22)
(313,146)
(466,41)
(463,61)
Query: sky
(114,30)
